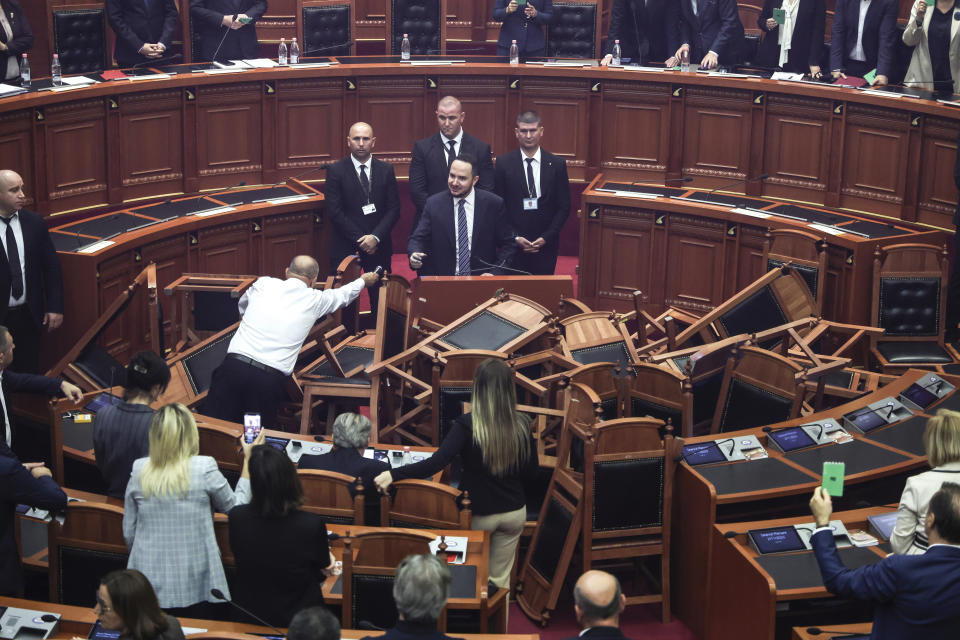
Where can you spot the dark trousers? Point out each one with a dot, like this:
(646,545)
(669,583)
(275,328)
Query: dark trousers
(542,263)
(953,293)
(27,338)
(858,69)
(238,387)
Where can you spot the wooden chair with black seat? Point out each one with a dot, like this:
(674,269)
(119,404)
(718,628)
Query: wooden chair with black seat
(655,391)
(909,304)
(86,546)
(655,328)
(337,497)
(598,336)
(759,387)
(805,252)
(422,504)
(209,299)
(192,369)
(369,563)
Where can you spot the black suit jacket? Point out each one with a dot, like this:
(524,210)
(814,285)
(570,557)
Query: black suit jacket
(22,39)
(276,586)
(412,631)
(137,22)
(493,239)
(601,633)
(208,22)
(352,463)
(344,200)
(429,172)
(806,46)
(517,26)
(44,278)
(18,486)
(879,34)
(716,27)
(553,203)
(647,32)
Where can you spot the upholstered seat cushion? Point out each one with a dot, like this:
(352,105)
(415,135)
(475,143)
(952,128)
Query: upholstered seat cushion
(913,352)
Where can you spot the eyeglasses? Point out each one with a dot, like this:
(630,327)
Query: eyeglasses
(100,603)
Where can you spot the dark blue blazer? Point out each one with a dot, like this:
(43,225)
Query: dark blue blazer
(429,171)
(716,27)
(207,17)
(412,631)
(41,266)
(516,26)
(18,486)
(879,34)
(344,201)
(646,31)
(136,22)
(493,239)
(916,596)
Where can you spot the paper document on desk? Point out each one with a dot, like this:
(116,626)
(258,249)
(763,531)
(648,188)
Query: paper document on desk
(750,212)
(261,63)
(10,90)
(456,548)
(78,81)
(784,75)
(826,229)
(636,194)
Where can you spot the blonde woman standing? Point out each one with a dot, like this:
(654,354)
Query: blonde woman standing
(941,439)
(499,458)
(168,512)
(932,32)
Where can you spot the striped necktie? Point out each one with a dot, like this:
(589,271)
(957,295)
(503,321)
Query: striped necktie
(463,240)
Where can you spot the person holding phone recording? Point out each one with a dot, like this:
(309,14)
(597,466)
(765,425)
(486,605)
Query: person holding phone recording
(523,21)
(932,32)
(793,35)
(226,28)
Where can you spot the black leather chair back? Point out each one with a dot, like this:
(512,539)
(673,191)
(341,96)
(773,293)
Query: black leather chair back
(810,275)
(421,21)
(372,601)
(759,312)
(326,30)
(103,368)
(612,352)
(747,406)
(910,306)
(199,366)
(80,40)
(214,310)
(572,34)
(638,481)
(80,571)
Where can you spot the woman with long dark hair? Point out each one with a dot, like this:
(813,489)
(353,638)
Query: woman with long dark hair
(127,603)
(499,457)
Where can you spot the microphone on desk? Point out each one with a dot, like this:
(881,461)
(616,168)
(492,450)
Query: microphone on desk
(759,178)
(214,58)
(681,179)
(730,534)
(498,266)
(348,43)
(216,593)
(217,193)
(140,64)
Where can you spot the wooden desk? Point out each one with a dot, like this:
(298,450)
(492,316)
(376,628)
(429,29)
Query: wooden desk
(827,632)
(746,598)
(435,298)
(699,504)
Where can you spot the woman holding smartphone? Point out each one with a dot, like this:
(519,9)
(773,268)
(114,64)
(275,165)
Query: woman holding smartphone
(168,514)
(499,458)
(932,32)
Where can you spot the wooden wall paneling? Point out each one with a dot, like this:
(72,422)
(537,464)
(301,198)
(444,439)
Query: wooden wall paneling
(189,139)
(148,145)
(591,230)
(485,103)
(229,135)
(76,154)
(695,260)
(370,21)
(565,110)
(875,160)
(636,138)
(171,258)
(17,149)
(284,237)
(114,276)
(280,21)
(746,250)
(796,148)
(388,104)
(717,135)
(224,249)
(936,190)
(625,261)
(310,129)
(460,14)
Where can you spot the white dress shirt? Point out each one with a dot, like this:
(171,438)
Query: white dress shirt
(18,234)
(858,53)
(468,210)
(6,414)
(696,11)
(536,169)
(368,164)
(277,316)
(456,143)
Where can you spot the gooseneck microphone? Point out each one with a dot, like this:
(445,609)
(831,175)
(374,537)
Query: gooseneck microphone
(759,178)
(153,61)
(214,58)
(216,593)
(214,195)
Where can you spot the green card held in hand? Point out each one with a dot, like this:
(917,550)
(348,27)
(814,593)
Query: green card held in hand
(779,16)
(832,481)
(870,76)
(930,3)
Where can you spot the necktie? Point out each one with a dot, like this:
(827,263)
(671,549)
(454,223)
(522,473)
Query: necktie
(13,261)
(452,153)
(531,185)
(463,241)
(365,182)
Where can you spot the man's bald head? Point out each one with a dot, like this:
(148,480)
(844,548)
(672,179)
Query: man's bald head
(598,600)
(12,197)
(305,268)
(361,141)
(450,116)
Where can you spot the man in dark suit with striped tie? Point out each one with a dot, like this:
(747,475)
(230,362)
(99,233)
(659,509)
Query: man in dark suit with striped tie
(464,231)
(144,29)
(433,156)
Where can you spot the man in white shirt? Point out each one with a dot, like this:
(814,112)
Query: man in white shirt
(276,316)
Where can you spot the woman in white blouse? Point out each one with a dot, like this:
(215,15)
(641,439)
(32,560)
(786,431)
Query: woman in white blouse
(796,45)
(932,32)
(168,512)
(941,439)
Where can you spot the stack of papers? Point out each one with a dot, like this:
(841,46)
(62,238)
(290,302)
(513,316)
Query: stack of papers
(10,90)
(260,63)
(784,75)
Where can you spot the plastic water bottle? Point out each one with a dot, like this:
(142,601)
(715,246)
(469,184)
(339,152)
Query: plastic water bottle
(282,52)
(405,47)
(616,52)
(56,74)
(24,71)
(406,455)
(685,61)
(294,52)
(514,53)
